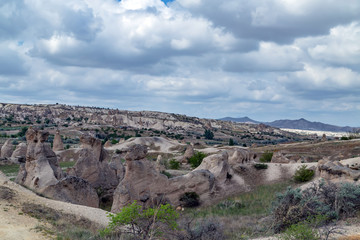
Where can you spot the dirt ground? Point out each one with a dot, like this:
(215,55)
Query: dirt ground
(16,225)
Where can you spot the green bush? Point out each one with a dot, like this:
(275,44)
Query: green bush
(303,174)
(300,231)
(143,223)
(173,164)
(166,174)
(260,166)
(190,199)
(231,142)
(266,156)
(208,134)
(196,160)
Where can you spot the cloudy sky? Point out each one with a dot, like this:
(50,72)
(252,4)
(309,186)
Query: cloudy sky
(266,59)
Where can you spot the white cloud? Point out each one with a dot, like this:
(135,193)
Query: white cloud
(204,58)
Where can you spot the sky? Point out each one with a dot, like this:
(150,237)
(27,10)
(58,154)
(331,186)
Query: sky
(265,59)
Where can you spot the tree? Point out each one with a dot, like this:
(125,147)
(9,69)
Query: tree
(231,142)
(208,134)
(143,223)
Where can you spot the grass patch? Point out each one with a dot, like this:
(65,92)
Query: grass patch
(65,165)
(10,170)
(256,202)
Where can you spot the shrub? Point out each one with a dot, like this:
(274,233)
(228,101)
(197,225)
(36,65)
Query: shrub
(117,151)
(303,174)
(260,166)
(190,199)
(295,205)
(143,223)
(300,231)
(231,142)
(173,164)
(208,134)
(166,174)
(196,160)
(266,156)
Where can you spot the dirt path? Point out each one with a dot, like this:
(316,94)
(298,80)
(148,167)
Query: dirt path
(14,225)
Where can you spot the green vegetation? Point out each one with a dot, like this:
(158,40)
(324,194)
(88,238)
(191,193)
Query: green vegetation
(231,142)
(208,134)
(256,202)
(10,171)
(173,164)
(65,165)
(326,199)
(303,174)
(266,156)
(142,223)
(300,231)
(166,174)
(196,160)
(260,166)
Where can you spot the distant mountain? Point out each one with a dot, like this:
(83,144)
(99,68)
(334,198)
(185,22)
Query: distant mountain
(242,120)
(301,123)
(304,124)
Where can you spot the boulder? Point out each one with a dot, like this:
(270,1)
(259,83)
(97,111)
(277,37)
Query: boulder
(279,157)
(73,190)
(7,149)
(20,152)
(336,171)
(57,143)
(239,156)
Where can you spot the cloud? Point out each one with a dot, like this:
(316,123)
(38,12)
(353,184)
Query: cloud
(268,58)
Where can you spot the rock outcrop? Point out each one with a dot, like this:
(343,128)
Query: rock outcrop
(42,173)
(93,166)
(279,157)
(41,167)
(336,171)
(146,185)
(74,190)
(57,143)
(239,156)
(189,152)
(7,149)
(20,152)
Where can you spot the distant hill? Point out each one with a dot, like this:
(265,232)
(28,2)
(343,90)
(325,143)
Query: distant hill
(242,120)
(301,123)
(304,124)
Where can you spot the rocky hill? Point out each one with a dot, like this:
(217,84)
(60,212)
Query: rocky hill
(301,124)
(304,124)
(168,123)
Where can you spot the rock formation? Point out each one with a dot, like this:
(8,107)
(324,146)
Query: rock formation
(107,144)
(42,173)
(57,143)
(189,152)
(20,152)
(239,156)
(146,185)
(337,172)
(279,157)
(7,149)
(92,164)
(74,190)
